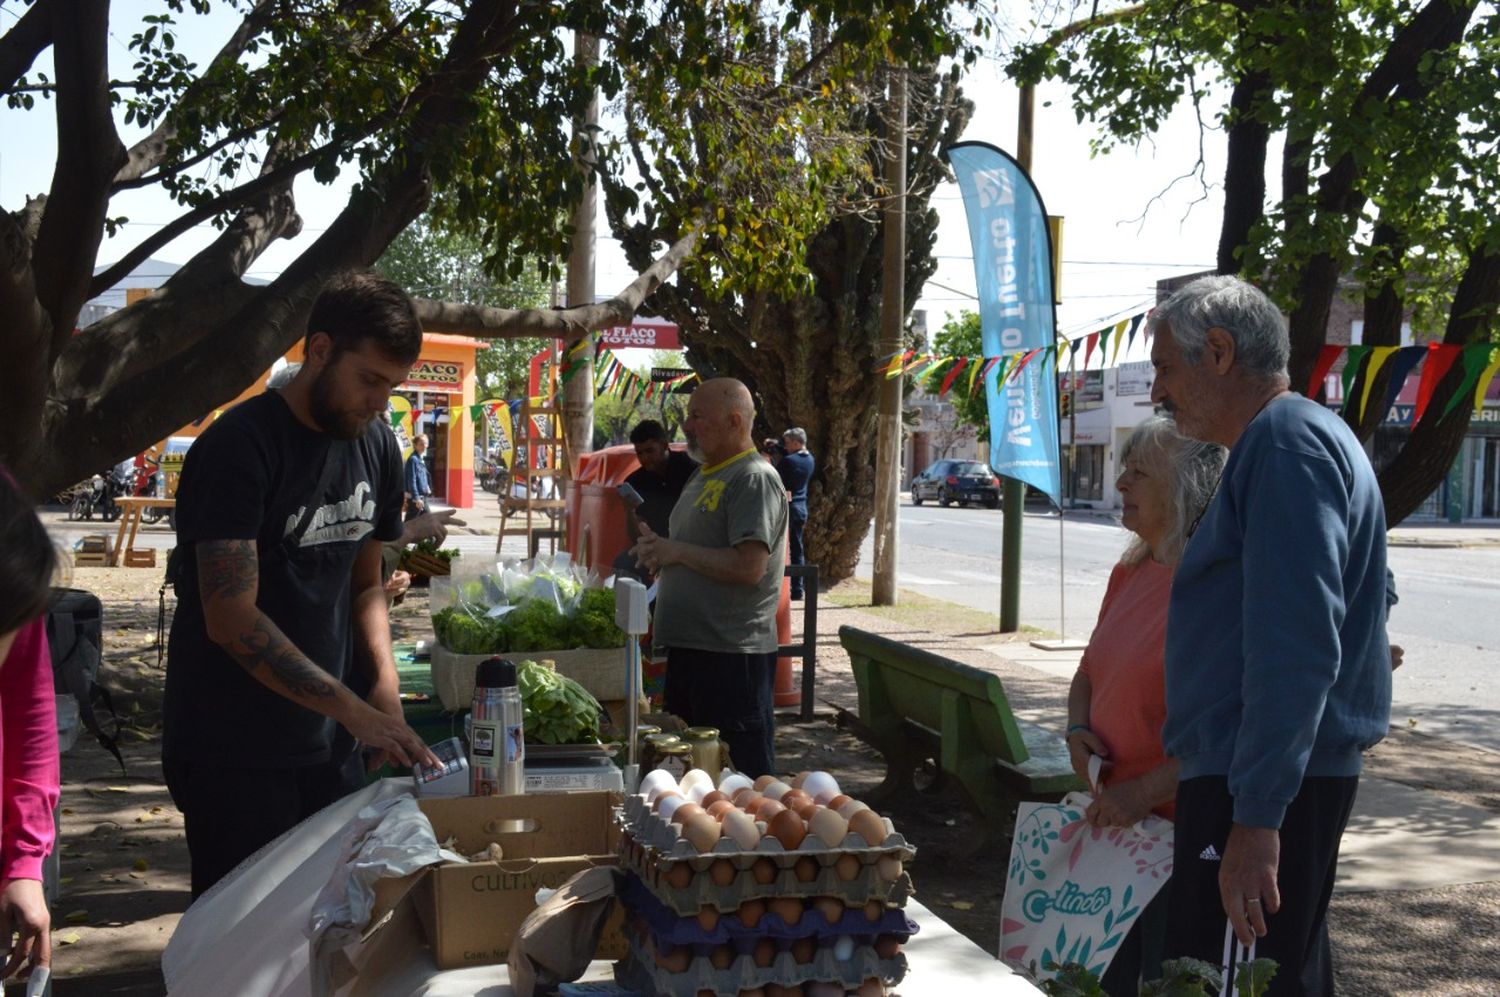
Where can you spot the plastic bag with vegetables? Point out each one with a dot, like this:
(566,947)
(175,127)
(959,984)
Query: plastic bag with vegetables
(555,709)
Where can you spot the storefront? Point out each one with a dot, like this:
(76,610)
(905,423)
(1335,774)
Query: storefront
(440,390)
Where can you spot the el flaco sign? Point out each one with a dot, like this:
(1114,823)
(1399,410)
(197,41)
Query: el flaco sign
(436,375)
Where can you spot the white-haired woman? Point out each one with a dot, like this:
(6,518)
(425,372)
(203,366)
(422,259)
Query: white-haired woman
(1117,702)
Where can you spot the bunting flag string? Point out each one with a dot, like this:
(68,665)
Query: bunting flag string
(1481,365)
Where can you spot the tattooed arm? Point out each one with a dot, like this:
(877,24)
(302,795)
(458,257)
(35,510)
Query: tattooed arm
(228,580)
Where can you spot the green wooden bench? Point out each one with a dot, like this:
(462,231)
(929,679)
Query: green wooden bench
(915,705)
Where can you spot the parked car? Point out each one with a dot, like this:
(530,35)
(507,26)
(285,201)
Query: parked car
(961,481)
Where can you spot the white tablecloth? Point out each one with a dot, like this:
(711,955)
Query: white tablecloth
(252,929)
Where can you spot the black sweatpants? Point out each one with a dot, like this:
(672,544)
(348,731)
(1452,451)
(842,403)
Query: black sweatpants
(731,692)
(1297,934)
(231,813)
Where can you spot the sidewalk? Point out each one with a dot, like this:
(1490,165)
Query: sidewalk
(1400,837)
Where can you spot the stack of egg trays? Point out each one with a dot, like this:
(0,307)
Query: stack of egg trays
(651,847)
(668,926)
(641,970)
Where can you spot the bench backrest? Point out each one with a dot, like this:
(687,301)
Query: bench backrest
(915,684)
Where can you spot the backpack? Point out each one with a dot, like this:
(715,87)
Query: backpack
(75,634)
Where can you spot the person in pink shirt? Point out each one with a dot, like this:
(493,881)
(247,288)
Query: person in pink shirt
(1118,702)
(28,732)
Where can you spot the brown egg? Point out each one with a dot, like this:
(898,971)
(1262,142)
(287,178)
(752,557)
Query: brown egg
(887,946)
(762,781)
(702,832)
(708,919)
(682,813)
(679,875)
(757,992)
(753,806)
(676,960)
(767,811)
(871,988)
(744,795)
(874,910)
(799,778)
(868,825)
(888,867)
(838,801)
(750,912)
(803,949)
(799,801)
(764,871)
(847,867)
(711,797)
(832,908)
(827,826)
(789,829)
(806,869)
(789,909)
(777,990)
(721,957)
(722,872)
(764,953)
(719,808)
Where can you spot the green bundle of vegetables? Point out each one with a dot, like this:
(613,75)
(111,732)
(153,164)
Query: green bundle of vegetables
(593,623)
(536,625)
(555,709)
(463,633)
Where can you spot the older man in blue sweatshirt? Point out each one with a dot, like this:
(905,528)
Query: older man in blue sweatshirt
(1277,663)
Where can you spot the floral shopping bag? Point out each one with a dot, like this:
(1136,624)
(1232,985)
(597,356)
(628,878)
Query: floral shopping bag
(1072,891)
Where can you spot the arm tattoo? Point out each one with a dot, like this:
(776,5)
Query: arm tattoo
(227,568)
(265,644)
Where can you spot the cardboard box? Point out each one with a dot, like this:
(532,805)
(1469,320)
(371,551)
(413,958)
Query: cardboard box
(601,672)
(471,911)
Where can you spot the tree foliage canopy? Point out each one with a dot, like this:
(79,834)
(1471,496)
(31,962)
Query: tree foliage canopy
(1385,181)
(471,100)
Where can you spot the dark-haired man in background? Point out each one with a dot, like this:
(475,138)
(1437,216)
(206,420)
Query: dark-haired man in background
(279,664)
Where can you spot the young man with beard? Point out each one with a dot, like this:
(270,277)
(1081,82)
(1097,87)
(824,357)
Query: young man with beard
(719,578)
(279,664)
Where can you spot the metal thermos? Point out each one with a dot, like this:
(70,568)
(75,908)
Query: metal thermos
(497,747)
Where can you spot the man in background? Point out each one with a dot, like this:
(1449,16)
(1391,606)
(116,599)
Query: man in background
(719,578)
(418,478)
(794,462)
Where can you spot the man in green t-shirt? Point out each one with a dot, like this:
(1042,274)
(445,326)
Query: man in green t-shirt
(720,578)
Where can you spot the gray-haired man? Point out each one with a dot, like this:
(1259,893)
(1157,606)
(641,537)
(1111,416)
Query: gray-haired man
(1278,667)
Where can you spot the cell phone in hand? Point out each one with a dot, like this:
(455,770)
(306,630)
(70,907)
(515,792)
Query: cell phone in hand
(632,497)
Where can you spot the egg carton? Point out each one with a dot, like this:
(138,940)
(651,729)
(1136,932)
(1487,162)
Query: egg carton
(689,893)
(667,925)
(640,971)
(648,828)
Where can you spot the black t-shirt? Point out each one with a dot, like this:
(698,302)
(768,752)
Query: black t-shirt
(660,493)
(250,476)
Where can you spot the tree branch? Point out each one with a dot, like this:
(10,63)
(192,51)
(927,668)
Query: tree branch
(88,153)
(26,39)
(1245,171)
(569,324)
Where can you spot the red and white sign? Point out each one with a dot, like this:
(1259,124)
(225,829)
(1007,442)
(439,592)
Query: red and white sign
(643,334)
(440,375)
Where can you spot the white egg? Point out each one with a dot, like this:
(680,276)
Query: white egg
(655,782)
(696,784)
(821,786)
(843,949)
(776,790)
(733,782)
(741,827)
(851,808)
(669,806)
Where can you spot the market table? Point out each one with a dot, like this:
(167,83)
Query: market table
(131,507)
(253,929)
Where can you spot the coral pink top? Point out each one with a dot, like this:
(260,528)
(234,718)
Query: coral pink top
(1126,666)
(28,754)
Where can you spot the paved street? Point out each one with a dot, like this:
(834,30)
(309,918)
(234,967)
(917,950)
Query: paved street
(1446,621)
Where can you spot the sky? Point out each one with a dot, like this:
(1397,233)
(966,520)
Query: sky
(1126,225)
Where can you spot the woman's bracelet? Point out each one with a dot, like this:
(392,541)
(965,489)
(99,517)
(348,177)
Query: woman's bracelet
(1077,728)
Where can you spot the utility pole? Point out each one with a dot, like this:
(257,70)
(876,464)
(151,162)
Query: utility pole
(578,392)
(1013,493)
(892,310)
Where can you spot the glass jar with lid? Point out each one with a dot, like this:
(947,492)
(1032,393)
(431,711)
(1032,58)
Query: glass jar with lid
(707,750)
